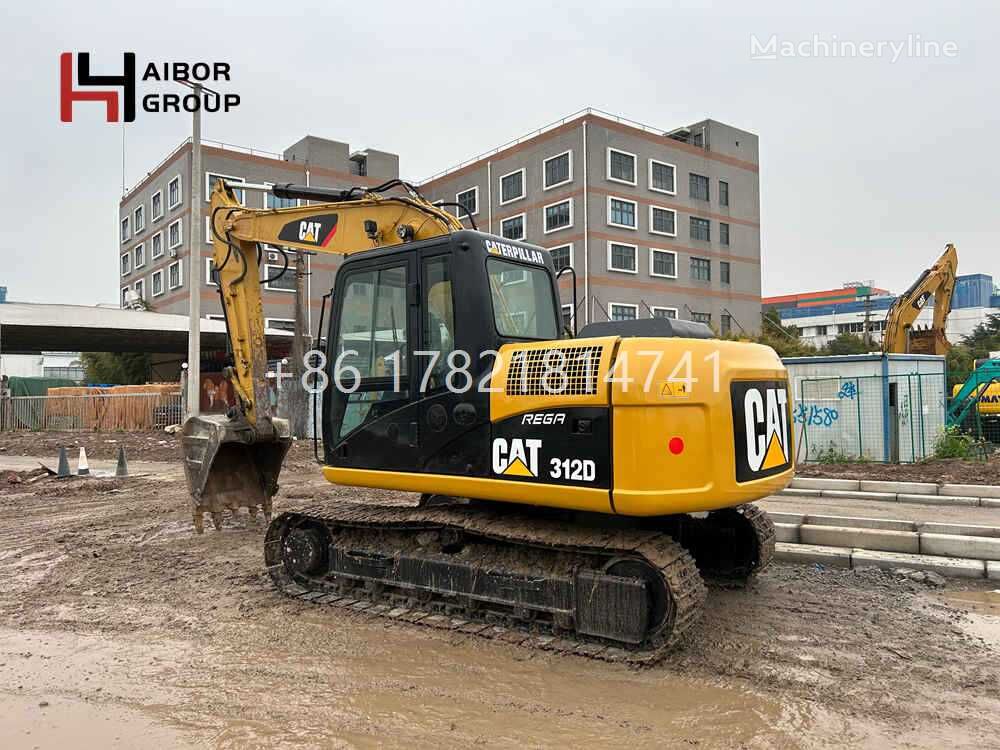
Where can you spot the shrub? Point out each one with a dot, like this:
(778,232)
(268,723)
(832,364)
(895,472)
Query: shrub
(953,443)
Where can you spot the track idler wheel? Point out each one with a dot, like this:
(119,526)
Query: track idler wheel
(304,550)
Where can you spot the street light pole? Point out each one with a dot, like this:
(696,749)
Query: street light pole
(194,267)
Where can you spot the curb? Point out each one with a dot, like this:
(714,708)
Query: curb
(951,550)
(846,557)
(922,493)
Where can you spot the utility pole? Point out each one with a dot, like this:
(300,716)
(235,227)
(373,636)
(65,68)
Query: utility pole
(868,318)
(298,404)
(194,267)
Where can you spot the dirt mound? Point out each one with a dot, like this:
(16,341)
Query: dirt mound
(942,471)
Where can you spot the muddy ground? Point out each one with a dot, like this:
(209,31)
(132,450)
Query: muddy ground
(942,471)
(120,628)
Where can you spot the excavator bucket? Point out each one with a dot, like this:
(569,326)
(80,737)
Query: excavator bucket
(229,465)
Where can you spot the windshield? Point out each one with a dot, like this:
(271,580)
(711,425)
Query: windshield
(522,300)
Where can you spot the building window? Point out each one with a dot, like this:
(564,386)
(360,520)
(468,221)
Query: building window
(174,276)
(140,289)
(663,221)
(212,178)
(622,257)
(662,263)
(156,245)
(157,280)
(125,234)
(557,170)
(280,324)
(469,200)
(705,318)
(662,177)
(174,197)
(701,269)
(723,193)
(125,291)
(283,283)
(139,256)
(126,264)
(139,218)
(699,186)
(723,233)
(272,201)
(512,187)
(211,275)
(664,312)
(208,230)
(558,215)
(821,330)
(156,206)
(725,324)
(174,234)
(567,317)
(621,213)
(622,311)
(562,257)
(513,228)
(621,166)
(701,229)
(724,272)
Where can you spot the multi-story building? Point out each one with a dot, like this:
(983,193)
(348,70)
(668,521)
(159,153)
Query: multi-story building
(159,228)
(824,315)
(653,222)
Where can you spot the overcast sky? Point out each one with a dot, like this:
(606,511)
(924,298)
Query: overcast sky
(868,165)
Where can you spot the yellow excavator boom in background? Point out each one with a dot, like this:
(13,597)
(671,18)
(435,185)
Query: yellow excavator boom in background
(938,281)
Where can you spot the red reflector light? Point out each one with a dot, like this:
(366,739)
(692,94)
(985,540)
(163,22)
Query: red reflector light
(676,445)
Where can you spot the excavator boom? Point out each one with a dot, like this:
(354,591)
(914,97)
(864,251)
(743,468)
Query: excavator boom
(233,460)
(937,282)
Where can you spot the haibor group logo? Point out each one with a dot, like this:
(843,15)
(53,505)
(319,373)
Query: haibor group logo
(80,86)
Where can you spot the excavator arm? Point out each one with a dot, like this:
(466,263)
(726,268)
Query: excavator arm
(938,281)
(233,460)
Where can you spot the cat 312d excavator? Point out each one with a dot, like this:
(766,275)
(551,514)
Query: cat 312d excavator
(574,489)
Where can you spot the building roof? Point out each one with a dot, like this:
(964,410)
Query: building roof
(27,327)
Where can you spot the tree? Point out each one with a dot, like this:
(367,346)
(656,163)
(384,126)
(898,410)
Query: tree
(846,343)
(116,368)
(785,340)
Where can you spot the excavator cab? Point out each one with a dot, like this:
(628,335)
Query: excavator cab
(413,341)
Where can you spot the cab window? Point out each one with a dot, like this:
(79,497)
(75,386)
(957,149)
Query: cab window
(522,300)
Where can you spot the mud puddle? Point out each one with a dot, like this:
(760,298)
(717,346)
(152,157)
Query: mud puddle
(982,610)
(379,687)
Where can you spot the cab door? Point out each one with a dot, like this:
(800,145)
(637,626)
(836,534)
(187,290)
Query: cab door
(370,419)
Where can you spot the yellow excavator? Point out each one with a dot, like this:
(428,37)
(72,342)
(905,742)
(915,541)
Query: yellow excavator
(900,335)
(575,488)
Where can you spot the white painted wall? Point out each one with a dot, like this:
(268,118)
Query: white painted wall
(961,323)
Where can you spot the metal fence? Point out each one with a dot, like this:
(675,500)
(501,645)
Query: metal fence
(97,412)
(979,419)
(894,418)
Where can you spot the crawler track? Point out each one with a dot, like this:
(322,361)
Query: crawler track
(408,564)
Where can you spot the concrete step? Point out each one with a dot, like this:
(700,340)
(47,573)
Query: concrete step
(846,557)
(834,557)
(874,539)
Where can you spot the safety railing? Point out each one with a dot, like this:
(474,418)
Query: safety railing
(92,412)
